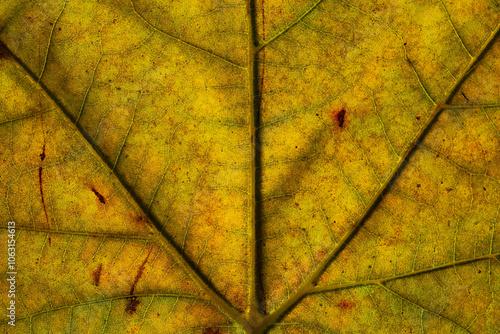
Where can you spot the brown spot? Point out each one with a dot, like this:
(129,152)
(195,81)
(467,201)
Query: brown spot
(139,273)
(132,305)
(339,117)
(319,255)
(96,275)
(40,181)
(99,196)
(211,331)
(140,221)
(42,155)
(4,53)
(479,271)
(418,118)
(50,242)
(346,305)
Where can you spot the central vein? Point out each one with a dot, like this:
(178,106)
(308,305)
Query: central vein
(253,90)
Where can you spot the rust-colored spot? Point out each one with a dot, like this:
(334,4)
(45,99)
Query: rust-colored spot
(132,305)
(96,275)
(50,242)
(339,117)
(4,53)
(40,181)
(42,155)
(418,118)
(346,305)
(139,273)
(99,196)
(140,220)
(211,331)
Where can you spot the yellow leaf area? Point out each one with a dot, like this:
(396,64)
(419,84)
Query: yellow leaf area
(266,166)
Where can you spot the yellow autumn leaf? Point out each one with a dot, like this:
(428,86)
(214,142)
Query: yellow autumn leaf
(250,167)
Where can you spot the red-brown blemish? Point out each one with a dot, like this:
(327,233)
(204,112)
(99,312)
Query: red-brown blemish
(140,221)
(132,305)
(4,53)
(339,117)
(211,331)
(50,242)
(418,118)
(96,275)
(99,196)
(40,181)
(42,155)
(139,273)
(320,254)
(346,305)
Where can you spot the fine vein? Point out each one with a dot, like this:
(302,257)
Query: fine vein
(310,281)
(156,227)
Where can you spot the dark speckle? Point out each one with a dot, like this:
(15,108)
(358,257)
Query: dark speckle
(42,155)
(418,118)
(99,196)
(132,305)
(211,331)
(340,117)
(418,185)
(96,275)
(4,53)
(346,305)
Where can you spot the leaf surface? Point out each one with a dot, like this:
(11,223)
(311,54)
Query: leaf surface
(250,167)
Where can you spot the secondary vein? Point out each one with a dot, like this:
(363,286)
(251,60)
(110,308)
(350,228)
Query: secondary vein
(156,227)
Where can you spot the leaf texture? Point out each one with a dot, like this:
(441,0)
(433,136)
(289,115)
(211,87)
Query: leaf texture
(252,167)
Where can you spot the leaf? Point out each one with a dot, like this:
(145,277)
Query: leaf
(229,167)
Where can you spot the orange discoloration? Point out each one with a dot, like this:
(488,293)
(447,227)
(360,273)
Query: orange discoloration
(346,305)
(339,117)
(96,275)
